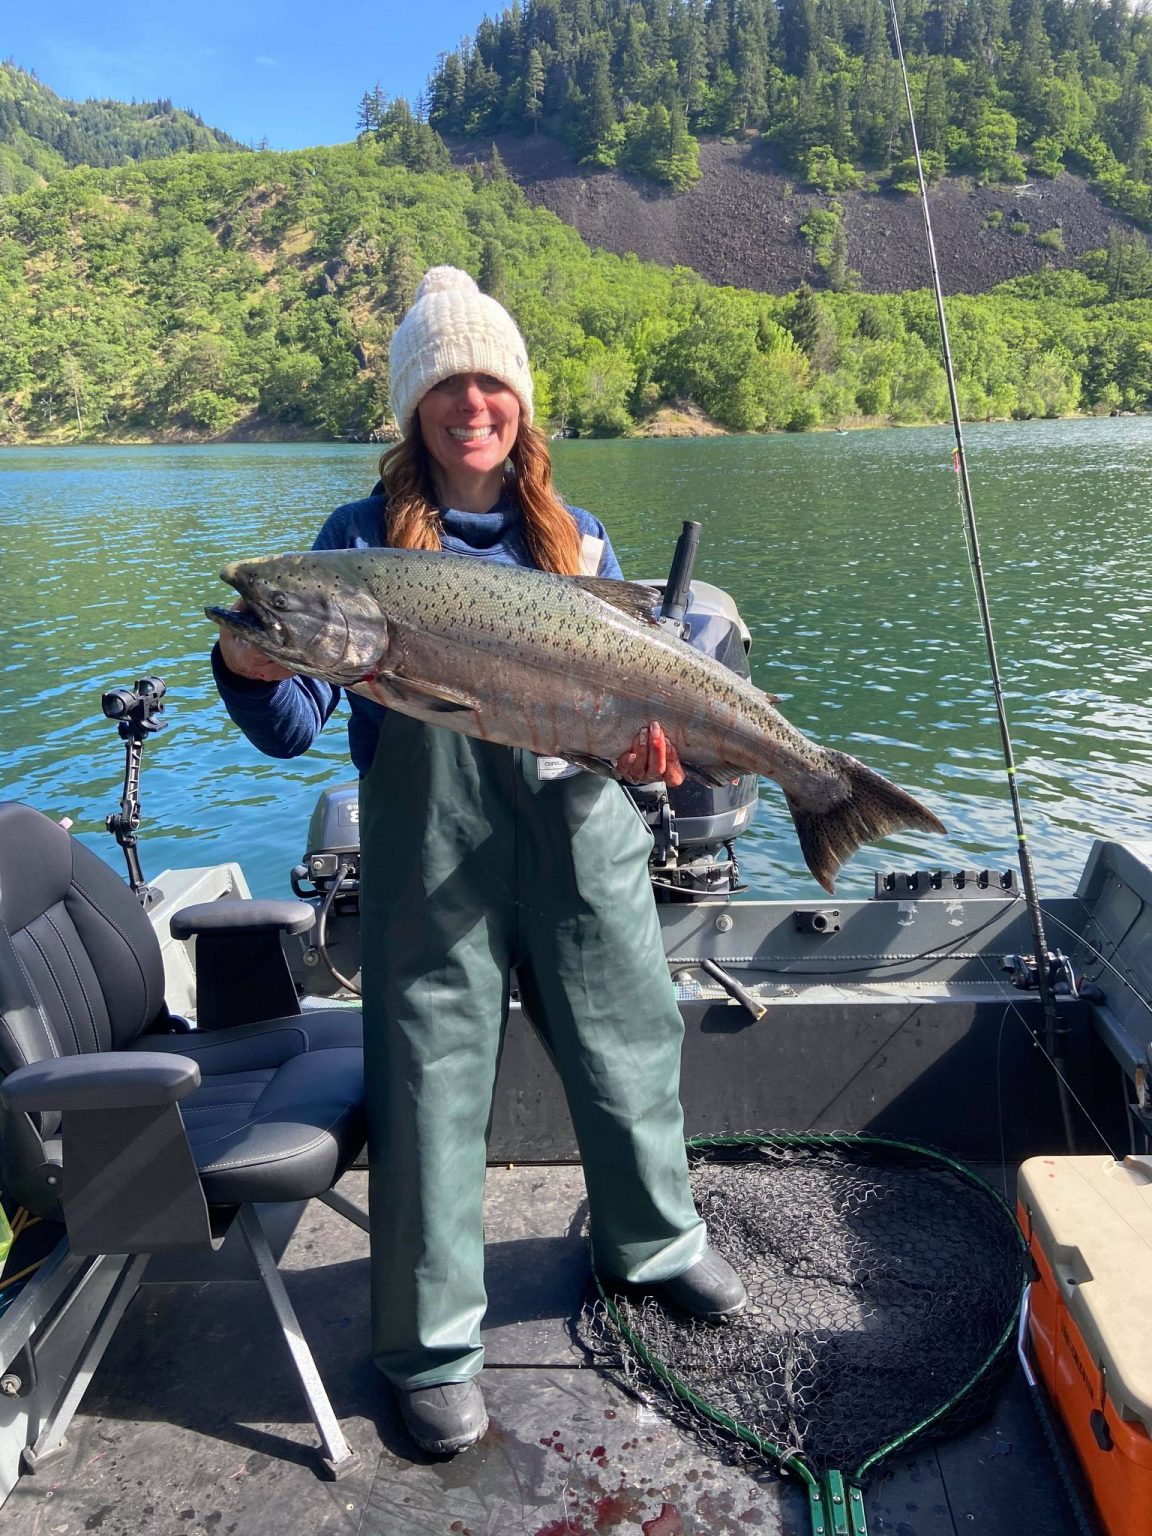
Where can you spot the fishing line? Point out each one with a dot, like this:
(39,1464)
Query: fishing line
(1053,1030)
(1097,955)
(1057,1066)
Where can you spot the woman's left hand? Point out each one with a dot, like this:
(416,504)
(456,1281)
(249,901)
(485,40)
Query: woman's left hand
(651,756)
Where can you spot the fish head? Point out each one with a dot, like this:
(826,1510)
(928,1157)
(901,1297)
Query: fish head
(307,615)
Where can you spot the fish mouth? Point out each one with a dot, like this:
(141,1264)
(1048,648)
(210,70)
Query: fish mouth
(247,623)
(239,619)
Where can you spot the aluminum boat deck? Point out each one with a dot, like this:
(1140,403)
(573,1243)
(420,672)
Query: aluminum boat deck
(194,1425)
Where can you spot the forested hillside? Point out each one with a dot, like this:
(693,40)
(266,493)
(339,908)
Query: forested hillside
(1003,88)
(232,294)
(42,134)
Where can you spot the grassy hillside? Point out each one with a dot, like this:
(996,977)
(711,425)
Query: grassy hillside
(42,134)
(229,294)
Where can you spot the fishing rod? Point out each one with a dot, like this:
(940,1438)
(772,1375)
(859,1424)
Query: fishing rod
(1053,1031)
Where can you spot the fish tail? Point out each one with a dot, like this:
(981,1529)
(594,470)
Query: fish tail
(871,808)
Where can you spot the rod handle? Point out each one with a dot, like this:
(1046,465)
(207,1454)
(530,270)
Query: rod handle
(680,575)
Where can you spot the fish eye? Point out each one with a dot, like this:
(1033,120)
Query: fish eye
(278,600)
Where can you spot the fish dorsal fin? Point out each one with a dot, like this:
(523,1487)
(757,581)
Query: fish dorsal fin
(630,597)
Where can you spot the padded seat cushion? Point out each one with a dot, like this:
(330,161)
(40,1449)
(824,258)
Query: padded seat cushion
(277,1133)
(80,968)
(279,1111)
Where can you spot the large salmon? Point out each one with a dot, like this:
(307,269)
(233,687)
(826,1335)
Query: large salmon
(566,666)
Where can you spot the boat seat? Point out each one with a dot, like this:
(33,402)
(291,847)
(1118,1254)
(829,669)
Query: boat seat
(142,1135)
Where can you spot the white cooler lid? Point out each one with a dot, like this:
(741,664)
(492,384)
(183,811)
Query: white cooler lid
(1092,1219)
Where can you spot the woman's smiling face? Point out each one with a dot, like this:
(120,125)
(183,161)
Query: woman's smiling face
(469,424)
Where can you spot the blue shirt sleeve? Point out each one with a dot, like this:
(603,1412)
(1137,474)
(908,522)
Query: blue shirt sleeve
(279,719)
(609,565)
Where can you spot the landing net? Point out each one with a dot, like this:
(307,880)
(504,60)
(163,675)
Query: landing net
(884,1283)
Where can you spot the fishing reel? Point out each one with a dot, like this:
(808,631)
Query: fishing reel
(1025,973)
(694,824)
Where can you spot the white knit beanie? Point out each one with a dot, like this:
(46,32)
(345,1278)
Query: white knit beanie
(454,328)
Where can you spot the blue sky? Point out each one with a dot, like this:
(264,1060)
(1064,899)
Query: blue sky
(289,72)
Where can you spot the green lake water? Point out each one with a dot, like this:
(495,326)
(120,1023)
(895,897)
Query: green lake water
(844,551)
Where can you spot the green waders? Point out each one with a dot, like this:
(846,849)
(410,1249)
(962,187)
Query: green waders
(472,867)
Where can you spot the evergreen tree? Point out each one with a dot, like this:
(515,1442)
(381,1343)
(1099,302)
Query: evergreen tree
(630,66)
(690,47)
(751,62)
(718,37)
(800,31)
(534,79)
(493,278)
(658,34)
(401,274)
(446,95)
(1127,267)
(811,327)
(596,114)
(371,110)
(933,117)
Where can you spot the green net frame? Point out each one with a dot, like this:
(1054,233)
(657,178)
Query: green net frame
(875,1266)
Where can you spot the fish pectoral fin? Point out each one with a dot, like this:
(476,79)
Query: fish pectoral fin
(631,597)
(713,774)
(437,696)
(600,765)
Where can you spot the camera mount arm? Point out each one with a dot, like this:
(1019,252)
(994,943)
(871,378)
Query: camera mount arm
(135,711)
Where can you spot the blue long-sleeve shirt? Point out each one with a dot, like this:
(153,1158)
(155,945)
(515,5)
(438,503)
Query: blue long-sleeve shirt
(283,719)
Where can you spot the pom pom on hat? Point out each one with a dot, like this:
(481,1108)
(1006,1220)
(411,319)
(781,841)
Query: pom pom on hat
(454,328)
(444,280)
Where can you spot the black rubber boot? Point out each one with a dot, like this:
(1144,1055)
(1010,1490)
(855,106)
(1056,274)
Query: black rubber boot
(710,1289)
(446,1418)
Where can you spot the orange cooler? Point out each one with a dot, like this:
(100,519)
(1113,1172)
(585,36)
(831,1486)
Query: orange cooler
(1088,1221)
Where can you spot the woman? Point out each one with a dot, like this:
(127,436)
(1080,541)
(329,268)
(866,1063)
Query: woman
(479,860)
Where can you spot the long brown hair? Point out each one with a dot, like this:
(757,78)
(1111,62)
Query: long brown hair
(414,523)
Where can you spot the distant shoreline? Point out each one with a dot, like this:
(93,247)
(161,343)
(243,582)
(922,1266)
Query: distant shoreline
(678,425)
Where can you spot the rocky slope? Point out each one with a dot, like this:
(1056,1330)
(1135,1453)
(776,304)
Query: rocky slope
(740,224)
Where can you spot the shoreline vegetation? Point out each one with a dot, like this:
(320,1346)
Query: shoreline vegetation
(673,424)
(222,297)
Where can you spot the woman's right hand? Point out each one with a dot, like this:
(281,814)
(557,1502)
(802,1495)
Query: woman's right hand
(247,660)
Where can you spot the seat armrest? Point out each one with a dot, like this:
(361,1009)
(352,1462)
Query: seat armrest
(130,1182)
(242,970)
(101,1080)
(245,916)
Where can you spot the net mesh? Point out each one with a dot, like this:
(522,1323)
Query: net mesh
(883,1284)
